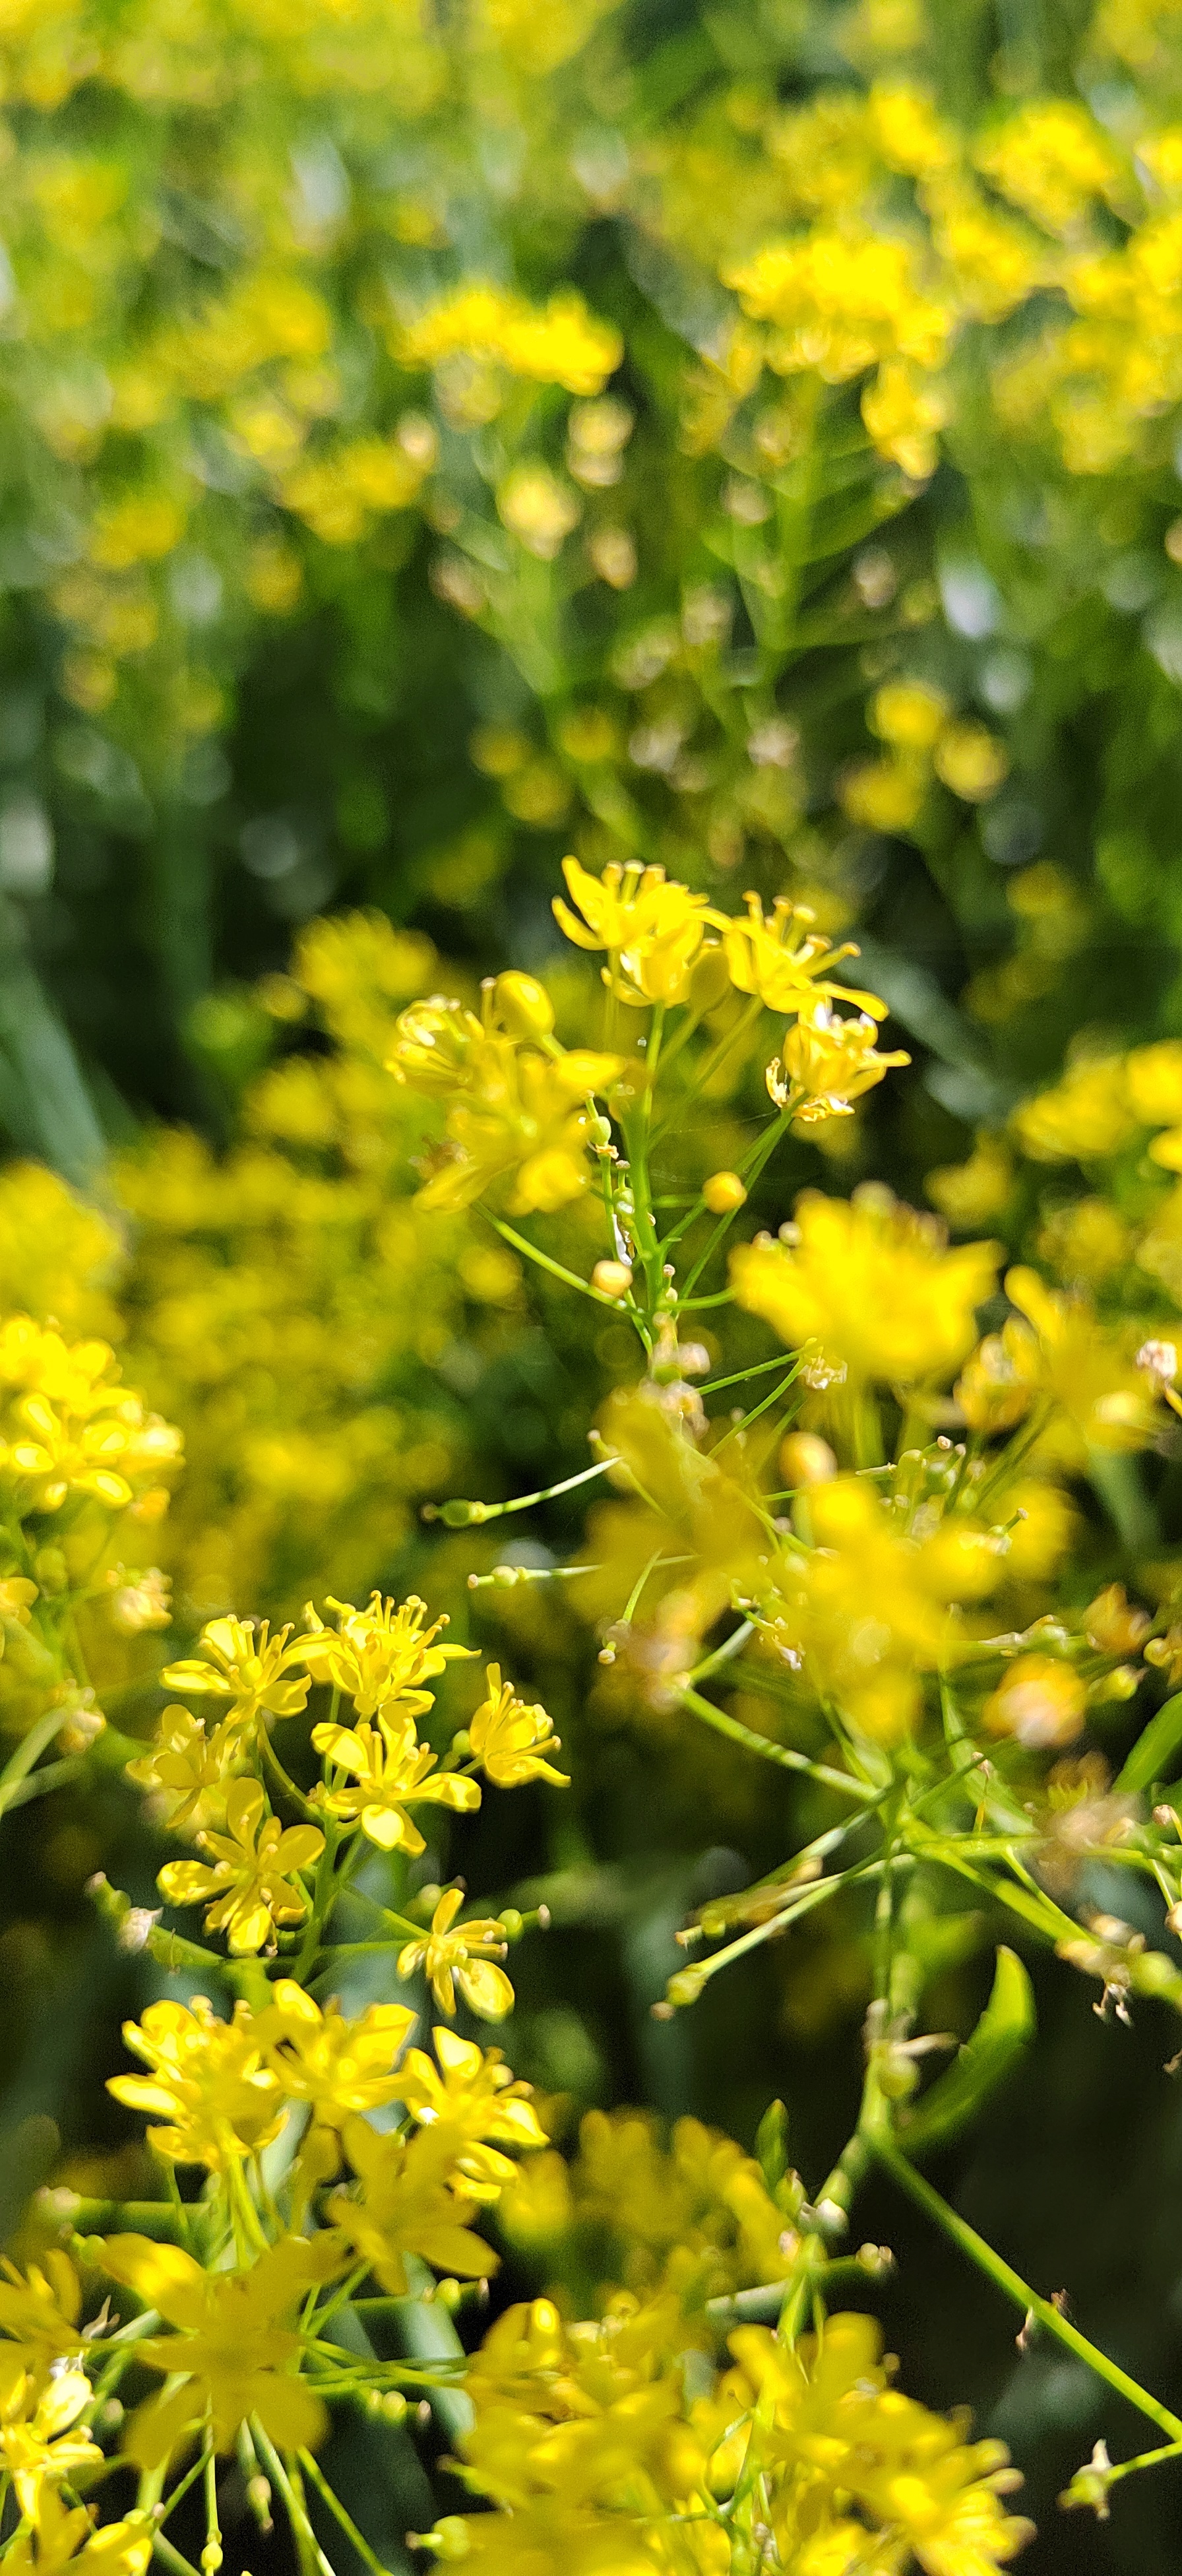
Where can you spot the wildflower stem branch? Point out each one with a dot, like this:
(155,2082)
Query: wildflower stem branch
(1013,2287)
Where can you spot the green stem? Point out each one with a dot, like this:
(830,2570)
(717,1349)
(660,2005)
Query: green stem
(305,2538)
(368,2556)
(1013,2287)
(557,1270)
(784,1754)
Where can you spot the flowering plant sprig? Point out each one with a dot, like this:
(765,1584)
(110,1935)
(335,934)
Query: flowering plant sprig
(853,1580)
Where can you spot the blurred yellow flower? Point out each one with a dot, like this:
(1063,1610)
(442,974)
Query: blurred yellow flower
(871,1284)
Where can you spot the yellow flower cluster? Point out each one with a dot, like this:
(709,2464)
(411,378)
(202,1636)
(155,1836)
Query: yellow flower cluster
(519,1111)
(253,1880)
(840,269)
(924,737)
(83,1463)
(588,2441)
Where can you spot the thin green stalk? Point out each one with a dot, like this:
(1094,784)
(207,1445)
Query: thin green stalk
(292,2493)
(368,2556)
(557,1270)
(172,2557)
(1013,2287)
(784,1754)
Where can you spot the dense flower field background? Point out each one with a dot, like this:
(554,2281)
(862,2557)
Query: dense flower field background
(676,509)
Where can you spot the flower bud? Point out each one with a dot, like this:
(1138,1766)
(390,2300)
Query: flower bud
(612,1278)
(523,1005)
(723,1193)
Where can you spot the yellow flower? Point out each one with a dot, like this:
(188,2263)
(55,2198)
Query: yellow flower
(996,1385)
(831,2416)
(651,927)
(884,795)
(210,2083)
(904,413)
(230,2346)
(57,2539)
(506,1735)
(909,714)
(538,509)
(403,2204)
(787,962)
(378,1655)
(1039,1701)
(872,1284)
(73,1429)
(514,1113)
(972,762)
(1090,1374)
(40,2437)
(560,344)
(830,1061)
(472,2098)
(867,1611)
(461,1958)
(252,1887)
(188,1772)
(839,301)
(245,1665)
(1088,1114)
(391,1769)
(39,2311)
(337,2067)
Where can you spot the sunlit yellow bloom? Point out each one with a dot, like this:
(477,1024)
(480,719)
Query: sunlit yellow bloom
(651,927)
(210,2084)
(507,1736)
(559,344)
(1090,1374)
(871,1284)
(473,2098)
(869,1609)
(969,1193)
(69,1427)
(884,795)
(515,1115)
(188,1772)
(904,412)
(1087,1114)
(252,1886)
(787,961)
(830,2412)
(827,1064)
(39,2313)
(392,1772)
(41,2440)
(461,1958)
(403,2204)
(244,1664)
(1051,158)
(59,2539)
(971,761)
(840,301)
(378,1655)
(909,714)
(230,2344)
(337,2067)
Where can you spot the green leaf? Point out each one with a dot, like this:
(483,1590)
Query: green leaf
(1154,1749)
(1005,2028)
(771,2145)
